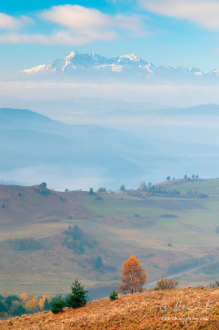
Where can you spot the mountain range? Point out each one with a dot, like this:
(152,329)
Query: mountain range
(36,148)
(92,65)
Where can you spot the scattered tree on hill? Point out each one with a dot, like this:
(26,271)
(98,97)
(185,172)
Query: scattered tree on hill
(214,285)
(113,295)
(57,304)
(168,178)
(193,176)
(76,240)
(43,184)
(66,189)
(78,297)
(143,186)
(47,306)
(98,263)
(28,243)
(185,176)
(149,184)
(122,187)
(91,192)
(165,284)
(196,176)
(134,276)
(102,189)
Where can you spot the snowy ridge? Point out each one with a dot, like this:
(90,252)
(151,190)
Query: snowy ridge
(92,63)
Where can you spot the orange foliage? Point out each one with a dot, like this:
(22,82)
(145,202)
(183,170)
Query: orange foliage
(41,302)
(134,276)
(23,298)
(32,304)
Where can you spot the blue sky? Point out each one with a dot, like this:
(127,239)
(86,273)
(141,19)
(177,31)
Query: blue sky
(164,32)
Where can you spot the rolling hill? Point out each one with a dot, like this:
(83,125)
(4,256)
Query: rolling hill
(151,310)
(174,233)
(84,156)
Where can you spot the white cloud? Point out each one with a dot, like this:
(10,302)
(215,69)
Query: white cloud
(77,25)
(13,23)
(80,18)
(202,12)
(59,38)
(80,25)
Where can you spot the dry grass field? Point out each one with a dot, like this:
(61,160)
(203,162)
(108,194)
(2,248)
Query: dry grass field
(189,308)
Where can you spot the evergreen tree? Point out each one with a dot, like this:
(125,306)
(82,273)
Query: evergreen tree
(47,306)
(78,297)
(57,304)
(98,263)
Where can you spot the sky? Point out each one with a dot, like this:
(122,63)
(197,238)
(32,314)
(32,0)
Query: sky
(163,32)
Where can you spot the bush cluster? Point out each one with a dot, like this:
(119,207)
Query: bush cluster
(76,240)
(77,298)
(27,243)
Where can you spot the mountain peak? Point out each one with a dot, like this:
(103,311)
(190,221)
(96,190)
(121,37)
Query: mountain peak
(92,65)
(131,57)
(70,56)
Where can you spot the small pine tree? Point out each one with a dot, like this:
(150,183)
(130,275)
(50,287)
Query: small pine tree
(98,263)
(78,297)
(113,295)
(47,306)
(122,187)
(57,304)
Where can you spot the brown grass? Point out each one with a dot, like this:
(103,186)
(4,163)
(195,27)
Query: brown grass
(151,310)
(31,206)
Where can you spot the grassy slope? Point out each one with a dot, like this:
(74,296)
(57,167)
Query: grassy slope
(114,224)
(139,311)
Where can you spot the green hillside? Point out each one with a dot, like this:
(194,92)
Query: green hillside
(41,254)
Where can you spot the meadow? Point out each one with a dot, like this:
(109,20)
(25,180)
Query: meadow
(173,236)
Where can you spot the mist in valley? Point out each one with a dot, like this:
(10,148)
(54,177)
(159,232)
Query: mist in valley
(107,135)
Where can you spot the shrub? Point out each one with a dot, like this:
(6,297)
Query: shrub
(214,285)
(98,263)
(102,189)
(78,297)
(57,304)
(113,295)
(201,195)
(122,187)
(28,243)
(165,284)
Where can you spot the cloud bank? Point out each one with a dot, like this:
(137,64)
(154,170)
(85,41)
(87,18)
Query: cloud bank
(201,12)
(72,25)
(13,23)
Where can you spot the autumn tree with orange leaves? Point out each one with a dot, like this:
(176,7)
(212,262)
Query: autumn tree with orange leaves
(134,277)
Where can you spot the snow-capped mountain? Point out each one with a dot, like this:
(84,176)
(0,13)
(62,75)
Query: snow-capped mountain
(76,64)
